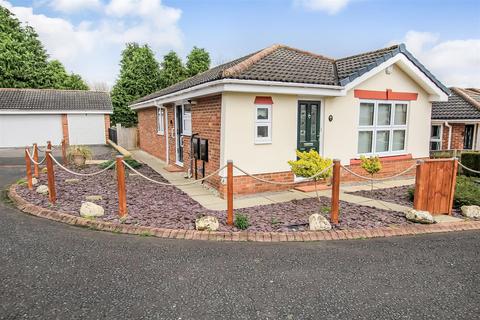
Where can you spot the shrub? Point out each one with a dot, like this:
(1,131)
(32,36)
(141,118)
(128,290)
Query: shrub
(241,221)
(471,160)
(411,193)
(467,192)
(371,165)
(131,162)
(83,151)
(309,164)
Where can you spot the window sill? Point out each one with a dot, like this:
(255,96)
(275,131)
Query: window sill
(160,133)
(263,142)
(387,158)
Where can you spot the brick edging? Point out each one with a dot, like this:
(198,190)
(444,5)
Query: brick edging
(67,218)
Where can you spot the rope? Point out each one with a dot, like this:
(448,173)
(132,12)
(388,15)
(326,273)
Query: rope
(169,183)
(35,162)
(467,168)
(283,183)
(81,174)
(379,179)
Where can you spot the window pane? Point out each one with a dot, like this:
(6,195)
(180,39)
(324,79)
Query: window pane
(187,108)
(398,140)
(262,113)
(262,131)
(383,141)
(366,114)
(384,112)
(435,132)
(365,141)
(435,145)
(400,114)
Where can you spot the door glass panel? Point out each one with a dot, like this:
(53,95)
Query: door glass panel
(468,138)
(383,141)
(384,113)
(365,141)
(313,123)
(400,114)
(366,114)
(303,122)
(398,140)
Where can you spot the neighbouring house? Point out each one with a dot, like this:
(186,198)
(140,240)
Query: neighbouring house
(456,122)
(259,109)
(30,116)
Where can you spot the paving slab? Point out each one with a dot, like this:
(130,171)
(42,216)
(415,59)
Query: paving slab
(443,218)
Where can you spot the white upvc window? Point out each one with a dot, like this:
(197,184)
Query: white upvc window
(263,123)
(161,121)
(382,128)
(436,137)
(187,120)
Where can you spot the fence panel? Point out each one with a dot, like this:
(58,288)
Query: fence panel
(435,185)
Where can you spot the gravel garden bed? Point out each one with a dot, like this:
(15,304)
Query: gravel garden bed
(155,205)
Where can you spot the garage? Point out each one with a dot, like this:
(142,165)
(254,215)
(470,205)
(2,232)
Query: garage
(39,115)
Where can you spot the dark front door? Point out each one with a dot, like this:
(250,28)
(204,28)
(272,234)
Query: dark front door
(308,133)
(178,132)
(468,138)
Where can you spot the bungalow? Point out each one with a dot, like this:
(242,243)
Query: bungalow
(259,109)
(456,122)
(39,115)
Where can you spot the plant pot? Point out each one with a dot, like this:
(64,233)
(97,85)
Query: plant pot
(79,160)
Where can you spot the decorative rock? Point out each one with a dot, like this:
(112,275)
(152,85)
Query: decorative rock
(94,198)
(34,181)
(419,216)
(90,209)
(471,211)
(72,180)
(209,223)
(42,189)
(317,222)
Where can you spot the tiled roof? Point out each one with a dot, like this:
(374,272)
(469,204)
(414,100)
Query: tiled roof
(463,104)
(285,64)
(52,100)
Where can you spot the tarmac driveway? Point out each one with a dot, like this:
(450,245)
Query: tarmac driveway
(49,270)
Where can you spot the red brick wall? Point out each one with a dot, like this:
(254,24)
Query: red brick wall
(458,132)
(149,140)
(65,132)
(107,126)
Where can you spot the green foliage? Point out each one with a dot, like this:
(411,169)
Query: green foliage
(471,160)
(274,221)
(83,151)
(21,182)
(241,221)
(411,193)
(197,61)
(309,164)
(467,192)
(139,76)
(172,70)
(131,162)
(371,165)
(24,61)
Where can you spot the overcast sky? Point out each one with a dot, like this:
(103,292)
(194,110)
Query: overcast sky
(88,35)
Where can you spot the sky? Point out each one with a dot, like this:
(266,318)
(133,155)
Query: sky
(89,35)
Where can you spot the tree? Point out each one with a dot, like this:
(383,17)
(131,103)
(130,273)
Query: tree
(371,165)
(198,61)
(172,70)
(24,61)
(139,76)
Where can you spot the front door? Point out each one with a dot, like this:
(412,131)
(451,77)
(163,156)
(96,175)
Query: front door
(468,138)
(178,133)
(308,132)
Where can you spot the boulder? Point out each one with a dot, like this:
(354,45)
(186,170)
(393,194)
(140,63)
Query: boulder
(94,198)
(42,189)
(72,180)
(90,209)
(471,211)
(317,222)
(209,223)
(34,181)
(419,216)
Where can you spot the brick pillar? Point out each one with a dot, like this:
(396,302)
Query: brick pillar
(107,126)
(65,128)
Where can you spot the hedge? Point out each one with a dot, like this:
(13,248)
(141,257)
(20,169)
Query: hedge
(471,160)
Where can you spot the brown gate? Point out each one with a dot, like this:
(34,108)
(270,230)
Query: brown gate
(435,186)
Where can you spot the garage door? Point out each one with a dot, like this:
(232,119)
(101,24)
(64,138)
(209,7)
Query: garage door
(86,128)
(21,130)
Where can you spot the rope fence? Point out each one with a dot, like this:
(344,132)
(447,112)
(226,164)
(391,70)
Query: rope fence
(468,169)
(380,179)
(33,160)
(78,173)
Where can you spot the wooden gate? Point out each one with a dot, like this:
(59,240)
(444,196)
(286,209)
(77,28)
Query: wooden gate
(435,186)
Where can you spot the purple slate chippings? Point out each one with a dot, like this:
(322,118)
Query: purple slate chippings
(155,205)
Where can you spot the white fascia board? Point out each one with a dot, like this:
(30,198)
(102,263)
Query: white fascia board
(54,112)
(237,85)
(436,94)
(456,121)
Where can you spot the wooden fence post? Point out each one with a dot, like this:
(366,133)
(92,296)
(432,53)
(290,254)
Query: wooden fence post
(52,194)
(122,193)
(453,186)
(64,152)
(35,157)
(28,164)
(335,192)
(230,192)
(418,198)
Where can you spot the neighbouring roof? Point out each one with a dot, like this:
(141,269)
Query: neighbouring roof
(53,100)
(463,104)
(281,63)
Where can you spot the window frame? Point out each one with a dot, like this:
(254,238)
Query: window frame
(161,121)
(392,127)
(439,140)
(263,123)
(186,132)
